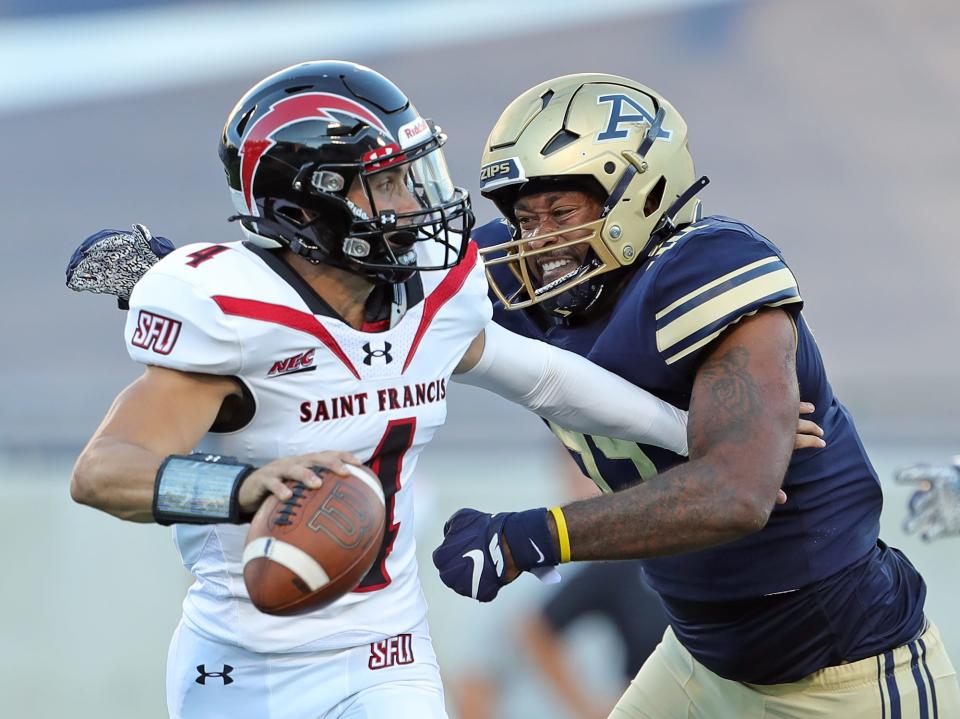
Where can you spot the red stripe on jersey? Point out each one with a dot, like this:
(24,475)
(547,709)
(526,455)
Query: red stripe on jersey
(380,326)
(448,287)
(286,316)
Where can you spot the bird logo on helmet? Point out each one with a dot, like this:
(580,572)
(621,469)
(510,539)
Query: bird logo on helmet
(302,150)
(258,137)
(612,138)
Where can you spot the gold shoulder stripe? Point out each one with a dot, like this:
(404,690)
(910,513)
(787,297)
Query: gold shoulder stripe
(712,336)
(741,296)
(697,345)
(718,281)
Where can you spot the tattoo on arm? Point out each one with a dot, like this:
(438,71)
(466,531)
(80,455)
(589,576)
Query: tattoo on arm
(742,417)
(732,397)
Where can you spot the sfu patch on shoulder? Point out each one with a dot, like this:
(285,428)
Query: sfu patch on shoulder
(156,332)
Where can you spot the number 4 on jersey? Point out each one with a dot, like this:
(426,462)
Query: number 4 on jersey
(207,253)
(387,464)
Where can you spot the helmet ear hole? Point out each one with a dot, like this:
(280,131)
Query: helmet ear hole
(295,215)
(655,197)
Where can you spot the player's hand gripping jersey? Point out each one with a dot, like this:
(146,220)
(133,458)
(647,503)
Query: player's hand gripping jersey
(312,383)
(770,607)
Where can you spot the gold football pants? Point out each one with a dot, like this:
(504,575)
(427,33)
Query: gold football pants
(915,681)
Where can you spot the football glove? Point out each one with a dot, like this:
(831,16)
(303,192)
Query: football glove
(112,261)
(934,508)
(471,561)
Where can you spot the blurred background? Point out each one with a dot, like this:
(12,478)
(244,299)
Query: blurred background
(829,126)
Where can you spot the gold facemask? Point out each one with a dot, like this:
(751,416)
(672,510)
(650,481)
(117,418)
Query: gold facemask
(516,254)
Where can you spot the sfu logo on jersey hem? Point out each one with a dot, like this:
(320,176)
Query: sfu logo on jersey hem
(391,652)
(300,362)
(156,332)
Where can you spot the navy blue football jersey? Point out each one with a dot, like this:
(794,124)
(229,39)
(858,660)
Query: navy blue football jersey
(757,609)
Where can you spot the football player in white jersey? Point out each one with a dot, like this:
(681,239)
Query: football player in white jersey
(321,340)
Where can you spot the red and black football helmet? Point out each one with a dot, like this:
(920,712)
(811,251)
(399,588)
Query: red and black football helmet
(296,142)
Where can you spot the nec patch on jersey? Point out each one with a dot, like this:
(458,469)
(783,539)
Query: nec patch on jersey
(300,362)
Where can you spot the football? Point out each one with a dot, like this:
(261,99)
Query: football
(308,551)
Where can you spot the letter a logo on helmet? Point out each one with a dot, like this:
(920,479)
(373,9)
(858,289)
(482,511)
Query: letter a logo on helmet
(298,108)
(619,116)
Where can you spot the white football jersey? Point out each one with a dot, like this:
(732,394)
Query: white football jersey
(317,384)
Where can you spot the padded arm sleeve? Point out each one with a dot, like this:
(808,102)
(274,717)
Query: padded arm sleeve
(573,392)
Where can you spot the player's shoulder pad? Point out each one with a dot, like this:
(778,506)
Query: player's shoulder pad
(462,289)
(492,233)
(709,276)
(174,321)
(206,264)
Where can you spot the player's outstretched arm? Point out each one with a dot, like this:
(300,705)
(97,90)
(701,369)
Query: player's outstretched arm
(564,387)
(166,412)
(741,432)
(742,417)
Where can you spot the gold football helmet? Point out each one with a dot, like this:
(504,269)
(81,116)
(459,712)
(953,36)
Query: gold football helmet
(621,140)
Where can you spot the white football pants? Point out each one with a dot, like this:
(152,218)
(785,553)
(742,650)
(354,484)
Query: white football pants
(396,677)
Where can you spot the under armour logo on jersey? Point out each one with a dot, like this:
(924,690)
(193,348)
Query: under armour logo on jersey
(379,354)
(621,116)
(224,674)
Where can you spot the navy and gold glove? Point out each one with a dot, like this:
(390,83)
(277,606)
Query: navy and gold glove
(112,261)
(471,560)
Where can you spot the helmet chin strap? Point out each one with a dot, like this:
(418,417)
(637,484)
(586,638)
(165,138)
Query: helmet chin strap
(666,227)
(313,253)
(300,246)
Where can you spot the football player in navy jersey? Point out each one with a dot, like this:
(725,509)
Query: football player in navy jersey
(792,610)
